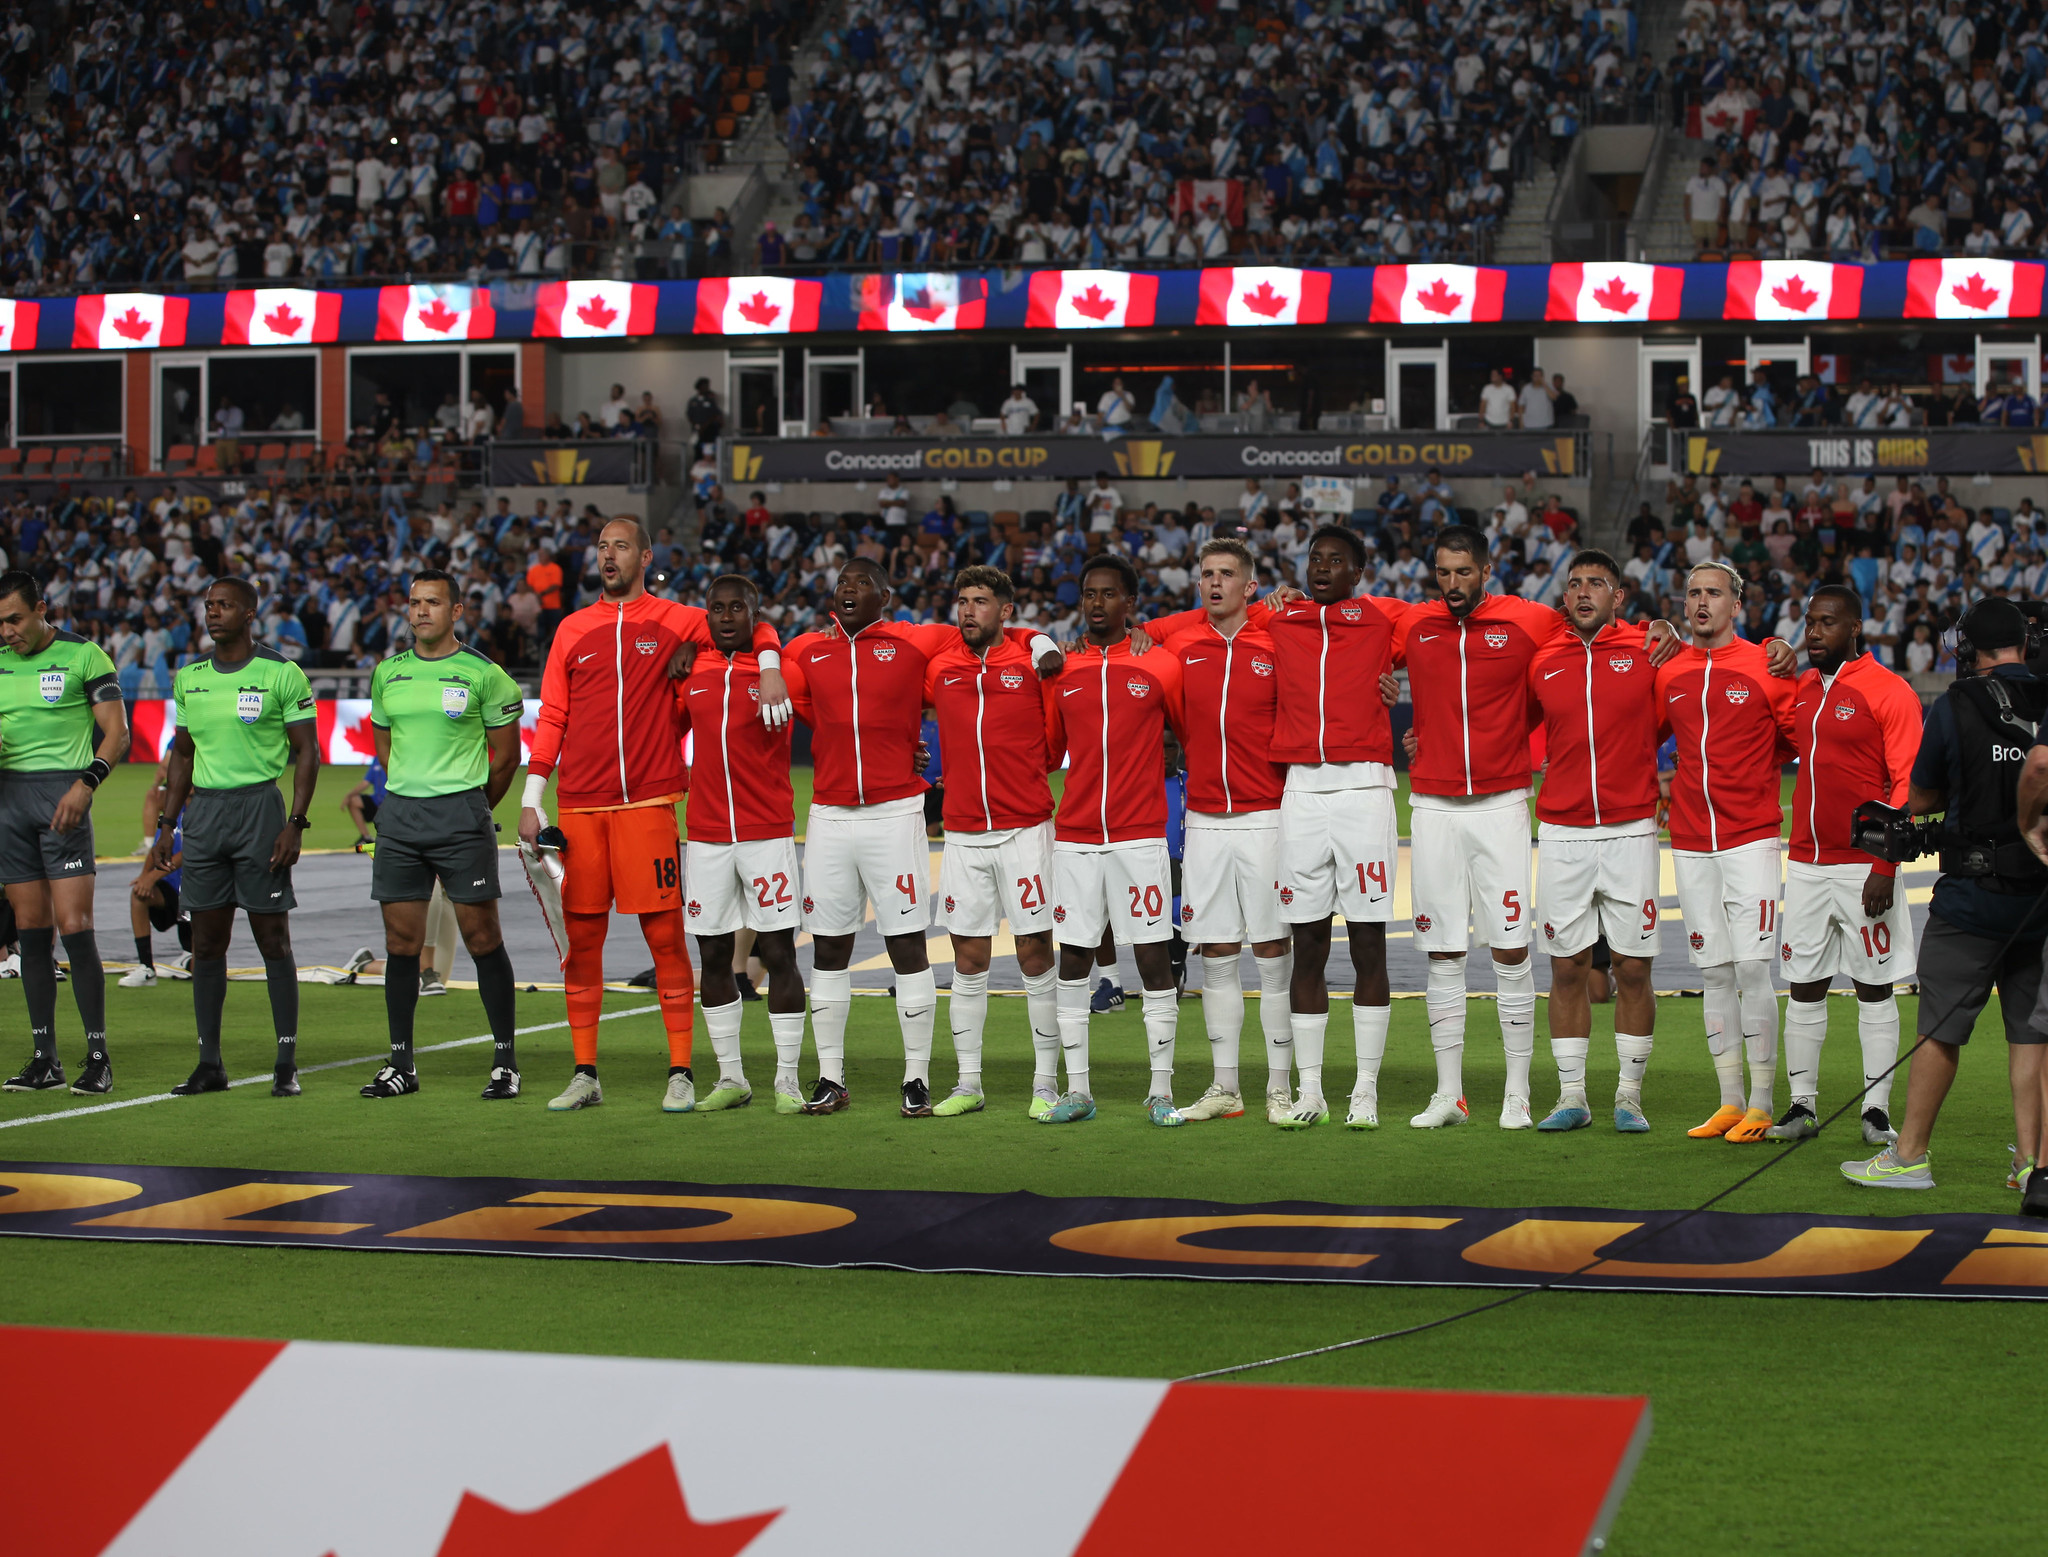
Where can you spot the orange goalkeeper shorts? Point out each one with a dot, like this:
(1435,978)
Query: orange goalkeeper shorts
(629,860)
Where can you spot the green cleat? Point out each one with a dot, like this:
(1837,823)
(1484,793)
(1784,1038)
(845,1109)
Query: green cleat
(958,1101)
(727,1094)
(1072,1108)
(788,1102)
(1885,1171)
(1571,1113)
(1160,1111)
(1629,1118)
(1309,1111)
(1041,1104)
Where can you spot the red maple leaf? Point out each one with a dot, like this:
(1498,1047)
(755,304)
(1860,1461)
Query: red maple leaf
(1268,302)
(1615,297)
(758,310)
(597,313)
(3,331)
(1438,298)
(634,1510)
(132,324)
(1974,293)
(438,316)
(359,738)
(1091,304)
(1795,295)
(282,321)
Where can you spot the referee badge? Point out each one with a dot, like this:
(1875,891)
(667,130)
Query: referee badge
(455,701)
(53,685)
(249,704)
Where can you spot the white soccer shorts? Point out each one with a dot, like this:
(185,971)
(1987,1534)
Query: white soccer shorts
(856,855)
(1827,933)
(1468,865)
(982,884)
(1229,879)
(1126,887)
(1730,902)
(1595,881)
(1338,850)
(750,885)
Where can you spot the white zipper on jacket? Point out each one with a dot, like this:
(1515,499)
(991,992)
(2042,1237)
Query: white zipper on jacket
(1464,706)
(1322,686)
(860,785)
(1223,716)
(1809,763)
(1102,790)
(1706,784)
(732,818)
(988,823)
(1592,738)
(619,689)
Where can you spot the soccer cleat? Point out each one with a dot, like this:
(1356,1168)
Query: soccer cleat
(358,960)
(1309,1111)
(38,1075)
(1365,1112)
(828,1097)
(95,1076)
(727,1094)
(961,1100)
(1877,1128)
(10,966)
(2035,1201)
(1216,1103)
(1885,1171)
(917,1099)
(1725,1118)
(431,983)
(1571,1113)
(1751,1129)
(2017,1179)
(1042,1103)
(179,967)
(1107,997)
(1629,1118)
(205,1078)
(1443,1109)
(747,990)
(1072,1108)
(788,1102)
(680,1096)
(392,1082)
(1279,1105)
(284,1081)
(1514,1113)
(581,1092)
(141,976)
(1798,1124)
(503,1086)
(63,976)
(1160,1111)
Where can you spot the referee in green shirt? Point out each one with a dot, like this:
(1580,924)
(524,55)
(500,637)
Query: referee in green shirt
(57,692)
(446,724)
(245,713)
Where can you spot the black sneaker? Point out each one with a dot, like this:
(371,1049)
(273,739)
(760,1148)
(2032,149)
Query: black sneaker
(95,1076)
(284,1081)
(827,1097)
(504,1084)
(2035,1201)
(917,1100)
(38,1075)
(747,990)
(1798,1124)
(1877,1128)
(204,1078)
(392,1082)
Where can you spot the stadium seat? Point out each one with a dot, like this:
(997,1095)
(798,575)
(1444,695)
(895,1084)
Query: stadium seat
(38,464)
(300,460)
(270,459)
(10,463)
(178,459)
(65,466)
(207,460)
(98,461)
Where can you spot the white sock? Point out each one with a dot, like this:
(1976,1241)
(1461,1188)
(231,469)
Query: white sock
(1276,974)
(788,1028)
(831,1000)
(967,1012)
(1516,984)
(723,1024)
(1759,1006)
(1444,999)
(1570,1055)
(1073,1017)
(1369,1034)
(1877,1028)
(1308,1030)
(1162,1019)
(1722,1014)
(1041,1004)
(1633,1051)
(1806,1028)
(1223,1016)
(917,1001)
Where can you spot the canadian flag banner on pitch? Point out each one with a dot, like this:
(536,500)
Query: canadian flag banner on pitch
(127,321)
(435,313)
(1223,197)
(1264,294)
(18,325)
(917,301)
(1606,292)
(573,310)
(280,316)
(1437,294)
(1973,289)
(757,305)
(1793,289)
(1090,300)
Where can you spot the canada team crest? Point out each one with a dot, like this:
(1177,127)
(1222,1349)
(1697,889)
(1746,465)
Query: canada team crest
(1059,915)
(1352,613)
(1261,667)
(1845,711)
(885,652)
(646,645)
(696,908)
(1738,694)
(1138,687)
(1621,664)
(1422,924)
(949,905)
(1012,679)
(1699,941)
(1287,894)
(1187,913)
(1496,638)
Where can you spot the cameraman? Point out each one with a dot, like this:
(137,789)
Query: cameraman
(2033,801)
(1982,924)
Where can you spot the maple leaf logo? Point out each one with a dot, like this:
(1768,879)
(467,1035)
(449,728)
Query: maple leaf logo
(758,310)
(930,313)
(1615,297)
(1438,298)
(597,313)
(1091,304)
(3,331)
(1267,302)
(1796,295)
(439,317)
(133,325)
(359,738)
(282,321)
(1974,293)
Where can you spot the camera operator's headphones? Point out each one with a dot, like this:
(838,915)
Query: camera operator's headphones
(1997,623)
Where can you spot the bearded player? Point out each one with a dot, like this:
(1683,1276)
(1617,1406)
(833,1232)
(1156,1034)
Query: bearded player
(608,718)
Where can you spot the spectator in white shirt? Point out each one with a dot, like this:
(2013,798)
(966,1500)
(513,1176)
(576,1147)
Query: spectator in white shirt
(1018,412)
(1116,407)
(1706,202)
(1104,503)
(1497,401)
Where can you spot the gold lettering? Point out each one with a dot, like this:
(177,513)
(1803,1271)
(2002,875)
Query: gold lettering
(223,1210)
(2023,1266)
(1159,1238)
(1557,1247)
(35,1192)
(533,1219)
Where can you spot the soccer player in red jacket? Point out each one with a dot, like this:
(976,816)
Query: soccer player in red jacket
(1732,719)
(1857,728)
(608,716)
(1108,715)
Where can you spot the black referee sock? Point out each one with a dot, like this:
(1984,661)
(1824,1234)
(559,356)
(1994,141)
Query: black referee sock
(401,999)
(89,989)
(209,997)
(145,951)
(494,985)
(282,976)
(37,949)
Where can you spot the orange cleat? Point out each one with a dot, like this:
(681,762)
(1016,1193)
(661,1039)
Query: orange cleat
(1754,1122)
(1726,1118)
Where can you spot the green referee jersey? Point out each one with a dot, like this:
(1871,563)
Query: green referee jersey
(437,712)
(237,717)
(46,699)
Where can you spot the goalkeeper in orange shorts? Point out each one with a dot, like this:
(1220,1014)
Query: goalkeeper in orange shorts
(610,730)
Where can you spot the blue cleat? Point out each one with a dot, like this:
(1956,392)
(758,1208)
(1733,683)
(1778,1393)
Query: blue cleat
(1628,1117)
(1107,997)
(1072,1108)
(1160,1111)
(1569,1114)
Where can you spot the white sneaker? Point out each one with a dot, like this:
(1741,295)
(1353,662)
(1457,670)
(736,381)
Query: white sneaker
(1514,1113)
(1444,1109)
(358,960)
(581,1092)
(178,967)
(1365,1112)
(139,977)
(1279,1105)
(10,968)
(1216,1103)
(681,1096)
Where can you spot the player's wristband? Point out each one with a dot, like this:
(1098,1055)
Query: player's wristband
(769,659)
(95,772)
(536,790)
(1041,646)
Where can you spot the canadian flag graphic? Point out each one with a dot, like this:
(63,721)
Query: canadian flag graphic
(1090,300)
(126,321)
(1264,294)
(1614,293)
(1973,289)
(280,316)
(435,313)
(917,301)
(343,731)
(1793,289)
(757,305)
(18,325)
(571,310)
(1437,294)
